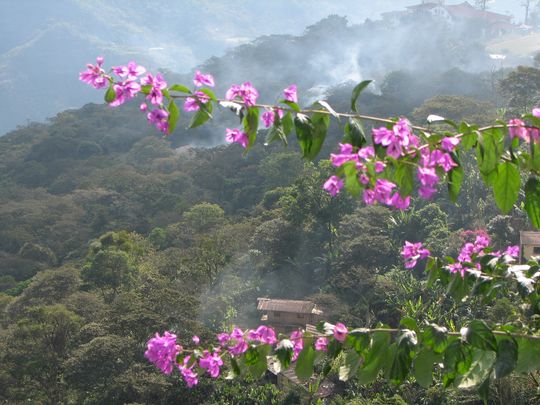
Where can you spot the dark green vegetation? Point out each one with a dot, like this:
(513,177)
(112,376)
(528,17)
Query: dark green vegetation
(109,233)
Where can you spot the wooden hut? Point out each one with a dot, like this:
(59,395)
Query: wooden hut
(287,315)
(529,244)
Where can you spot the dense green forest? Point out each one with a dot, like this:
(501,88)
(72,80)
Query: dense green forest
(109,233)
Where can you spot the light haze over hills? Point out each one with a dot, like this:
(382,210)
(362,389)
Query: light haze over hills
(46,43)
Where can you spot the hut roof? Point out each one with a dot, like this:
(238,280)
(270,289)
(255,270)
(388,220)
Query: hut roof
(300,307)
(529,238)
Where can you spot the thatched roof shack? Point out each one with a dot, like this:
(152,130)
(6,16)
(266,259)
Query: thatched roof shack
(286,315)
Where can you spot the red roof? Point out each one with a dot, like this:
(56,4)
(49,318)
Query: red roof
(466,10)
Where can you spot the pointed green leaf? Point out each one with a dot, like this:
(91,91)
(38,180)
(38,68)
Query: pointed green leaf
(179,87)
(304,363)
(350,367)
(423,366)
(354,133)
(374,358)
(199,118)
(356,93)
(174,114)
(479,335)
(506,186)
(532,200)
(110,94)
(507,355)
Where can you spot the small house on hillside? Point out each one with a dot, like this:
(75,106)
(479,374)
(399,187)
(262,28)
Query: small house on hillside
(287,315)
(529,244)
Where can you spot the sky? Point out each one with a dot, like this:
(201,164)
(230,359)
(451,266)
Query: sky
(46,42)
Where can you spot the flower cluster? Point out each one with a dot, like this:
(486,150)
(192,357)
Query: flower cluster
(166,354)
(518,129)
(131,80)
(470,251)
(162,351)
(245,92)
(412,252)
(94,75)
(236,135)
(398,140)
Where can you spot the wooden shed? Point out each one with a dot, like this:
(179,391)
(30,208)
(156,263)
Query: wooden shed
(529,244)
(287,315)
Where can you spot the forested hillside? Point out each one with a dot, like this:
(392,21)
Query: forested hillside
(109,233)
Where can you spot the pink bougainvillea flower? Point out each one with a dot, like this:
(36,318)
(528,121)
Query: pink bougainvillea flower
(94,75)
(449,143)
(333,185)
(223,338)
(346,155)
(298,343)
(290,93)
(512,251)
(265,334)
(235,135)
(412,252)
(536,112)
(321,344)
(162,351)
(212,363)
(189,376)
(159,118)
(517,129)
(340,332)
(202,79)
(131,71)
(196,340)
(191,103)
(245,91)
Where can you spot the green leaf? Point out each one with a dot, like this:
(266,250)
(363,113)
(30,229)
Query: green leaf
(291,104)
(328,108)
(255,360)
(283,358)
(480,369)
(374,358)
(457,360)
(110,94)
(405,178)
(179,87)
(489,151)
(199,118)
(479,335)
(469,137)
(276,133)
(352,185)
(311,133)
(287,123)
(483,390)
(174,114)
(455,179)
(146,89)
(435,337)
(423,366)
(354,132)
(506,186)
(532,200)
(251,124)
(356,93)
(528,355)
(320,122)
(399,363)
(209,93)
(304,363)
(409,323)
(350,367)
(507,355)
